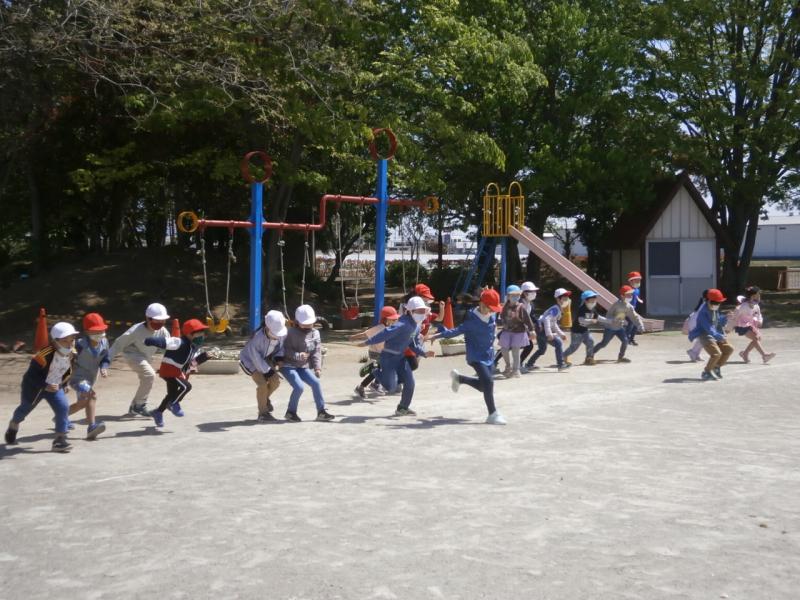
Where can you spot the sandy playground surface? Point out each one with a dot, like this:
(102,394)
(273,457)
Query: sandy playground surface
(616,481)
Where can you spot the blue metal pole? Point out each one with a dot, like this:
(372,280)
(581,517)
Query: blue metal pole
(380,237)
(256,236)
(503,252)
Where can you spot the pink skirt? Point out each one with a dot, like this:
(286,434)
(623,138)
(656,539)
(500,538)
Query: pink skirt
(513,340)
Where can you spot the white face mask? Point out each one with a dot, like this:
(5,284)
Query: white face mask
(531,296)
(513,299)
(418,317)
(628,298)
(635,285)
(591,305)
(564,303)
(63,351)
(96,337)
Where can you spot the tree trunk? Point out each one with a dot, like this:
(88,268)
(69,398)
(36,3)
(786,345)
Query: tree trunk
(742,230)
(38,249)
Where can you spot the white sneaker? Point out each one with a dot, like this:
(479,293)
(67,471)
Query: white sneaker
(455,383)
(496,419)
(768,357)
(693,357)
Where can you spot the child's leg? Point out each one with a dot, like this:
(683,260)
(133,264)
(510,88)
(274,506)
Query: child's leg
(507,359)
(541,348)
(726,349)
(755,342)
(608,335)
(292,376)
(312,380)
(697,347)
(588,341)
(369,378)
(623,342)
(176,391)
(264,388)
(27,402)
(714,354)
(515,359)
(558,344)
(405,375)
(387,374)
(497,356)
(413,362)
(486,384)
(630,329)
(147,376)
(574,343)
(60,405)
(526,351)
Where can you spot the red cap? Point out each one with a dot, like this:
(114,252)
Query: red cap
(389,312)
(714,295)
(423,291)
(625,289)
(634,275)
(94,322)
(491,299)
(193,326)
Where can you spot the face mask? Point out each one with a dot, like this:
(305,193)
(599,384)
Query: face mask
(63,351)
(96,337)
(198,341)
(713,306)
(418,318)
(513,299)
(564,303)
(635,285)
(591,305)
(628,298)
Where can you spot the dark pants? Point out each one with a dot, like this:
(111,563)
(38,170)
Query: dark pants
(610,334)
(483,383)
(541,348)
(630,329)
(176,391)
(395,369)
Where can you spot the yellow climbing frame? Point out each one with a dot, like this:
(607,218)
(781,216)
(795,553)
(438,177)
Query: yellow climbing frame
(501,211)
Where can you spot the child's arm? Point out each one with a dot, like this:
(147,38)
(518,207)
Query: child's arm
(165,343)
(201,358)
(315,359)
(634,317)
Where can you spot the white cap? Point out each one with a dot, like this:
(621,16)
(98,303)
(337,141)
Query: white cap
(561,292)
(61,330)
(528,286)
(275,322)
(305,315)
(740,299)
(156,311)
(414,303)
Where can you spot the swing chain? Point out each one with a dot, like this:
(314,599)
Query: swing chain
(336,223)
(358,252)
(231,259)
(306,263)
(202,253)
(281,244)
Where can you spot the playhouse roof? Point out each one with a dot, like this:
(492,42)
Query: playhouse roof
(633,226)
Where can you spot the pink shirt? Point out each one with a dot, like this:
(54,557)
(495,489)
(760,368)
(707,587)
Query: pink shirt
(748,316)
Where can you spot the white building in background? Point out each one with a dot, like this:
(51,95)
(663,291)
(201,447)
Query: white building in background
(778,237)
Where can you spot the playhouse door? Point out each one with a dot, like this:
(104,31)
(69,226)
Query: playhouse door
(698,271)
(663,278)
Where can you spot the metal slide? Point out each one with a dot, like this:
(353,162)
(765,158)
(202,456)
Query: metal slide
(572,272)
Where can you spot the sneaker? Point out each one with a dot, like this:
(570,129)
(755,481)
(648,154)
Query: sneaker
(158,417)
(292,417)
(768,357)
(496,419)
(270,408)
(139,409)
(708,376)
(515,374)
(718,372)
(507,373)
(11,436)
(61,445)
(564,366)
(531,367)
(524,370)
(590,361)
(360,392)
(266,418)
(567,360)
(633,343)
(404,412)
(455,382)
(175,409)
(744,357)
(694,357)
(376,387)
(95,429)
(623,360)
(324,415)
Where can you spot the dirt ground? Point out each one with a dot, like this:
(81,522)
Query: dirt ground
(610,482)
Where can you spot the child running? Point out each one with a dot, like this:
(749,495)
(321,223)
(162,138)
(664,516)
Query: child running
(615,323)
(691,323)
(138,355)
(92,357)
(635,281)
(478,329)
(302,363)
(518,330)
(389,317)
(260,360)
(587,315)
(748,322)
(549,332)
(710,330)
(181,354)
(47,377)
(395,369)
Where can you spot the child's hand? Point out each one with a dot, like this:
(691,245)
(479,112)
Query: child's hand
(357,336)
(532,337)
(52,388)
(302,356)
(318,373)
(104,373)
(564,337)
(430,354)
(550,338)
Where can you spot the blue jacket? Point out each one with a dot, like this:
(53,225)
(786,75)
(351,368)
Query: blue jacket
(478,334)
(403,334)
(705,324)
(34,381)
(635,300)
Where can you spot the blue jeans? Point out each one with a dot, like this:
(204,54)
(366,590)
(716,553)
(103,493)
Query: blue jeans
(296,377)
(395,369)
(630,329)
(610,334)
(483,383)
(576,339)
(541,343)
(57,401)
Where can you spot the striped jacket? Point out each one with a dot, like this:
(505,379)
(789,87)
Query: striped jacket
(178,356)
(35,378)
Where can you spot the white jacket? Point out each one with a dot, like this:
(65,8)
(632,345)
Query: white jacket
(131,343)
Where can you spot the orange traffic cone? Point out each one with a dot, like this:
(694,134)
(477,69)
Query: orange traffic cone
(41,339)
(448,315)
(176,328)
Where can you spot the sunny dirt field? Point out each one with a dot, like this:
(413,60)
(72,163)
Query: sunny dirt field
(616,481)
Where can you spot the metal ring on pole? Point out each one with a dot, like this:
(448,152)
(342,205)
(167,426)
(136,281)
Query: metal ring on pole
(244,166)
(193,222)
(431,205)
(373,149)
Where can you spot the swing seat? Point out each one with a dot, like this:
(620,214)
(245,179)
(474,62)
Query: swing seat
(221,327)
(351,312)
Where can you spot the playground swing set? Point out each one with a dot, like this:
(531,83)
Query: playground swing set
(189,222)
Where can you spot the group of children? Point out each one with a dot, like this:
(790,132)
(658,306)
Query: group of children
(294,352)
